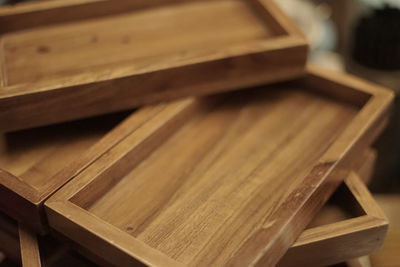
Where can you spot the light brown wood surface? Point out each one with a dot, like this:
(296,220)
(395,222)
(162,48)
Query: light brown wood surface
(359,262)
(388,256)
(228,180)
(104,58)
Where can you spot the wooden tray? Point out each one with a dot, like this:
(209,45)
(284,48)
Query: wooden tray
(341,225)
(227,180)
(71,59)
(33,163)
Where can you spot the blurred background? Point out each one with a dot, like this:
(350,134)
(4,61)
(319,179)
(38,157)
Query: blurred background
(361,37)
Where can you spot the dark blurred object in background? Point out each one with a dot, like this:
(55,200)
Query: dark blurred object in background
(11,2)
(377,39)
(375,55)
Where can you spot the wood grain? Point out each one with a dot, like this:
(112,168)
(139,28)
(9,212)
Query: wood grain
(239,194)
(137,53)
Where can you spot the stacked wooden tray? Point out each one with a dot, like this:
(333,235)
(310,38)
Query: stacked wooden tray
(235,177)
(223,179)
(69,59)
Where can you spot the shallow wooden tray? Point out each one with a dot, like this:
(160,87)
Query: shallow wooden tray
(35,163)
(341,225)
(71,59)
(227,180)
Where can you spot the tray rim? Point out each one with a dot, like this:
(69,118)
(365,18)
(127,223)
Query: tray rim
(373,218)
(373,224)
(27,201)
(352,182)
(366,124)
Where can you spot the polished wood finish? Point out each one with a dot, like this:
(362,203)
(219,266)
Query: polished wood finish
(263,162)
(72,59)
(35,163)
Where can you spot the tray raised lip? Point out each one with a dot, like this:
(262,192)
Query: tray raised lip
(26,201)
(374,219)
(293,37)
(355,137)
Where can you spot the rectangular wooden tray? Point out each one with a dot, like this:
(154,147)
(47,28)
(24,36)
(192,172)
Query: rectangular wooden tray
(341,225)
(63,60)
(35,163)
(227,180)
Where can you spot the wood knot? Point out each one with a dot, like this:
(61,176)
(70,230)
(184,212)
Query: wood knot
(43,49)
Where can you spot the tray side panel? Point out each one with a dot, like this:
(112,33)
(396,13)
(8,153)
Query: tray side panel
(123,93)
